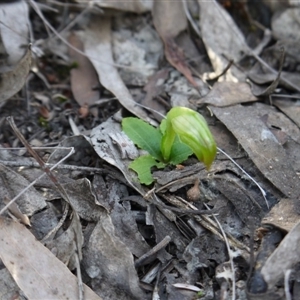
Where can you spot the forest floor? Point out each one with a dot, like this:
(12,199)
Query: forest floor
(77,221)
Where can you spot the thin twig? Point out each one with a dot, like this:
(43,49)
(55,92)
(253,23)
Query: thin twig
(149,255)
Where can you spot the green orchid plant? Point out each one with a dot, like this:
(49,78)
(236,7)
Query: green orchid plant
(182,133)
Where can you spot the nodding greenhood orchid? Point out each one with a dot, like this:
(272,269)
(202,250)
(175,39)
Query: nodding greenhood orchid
(181,133)
(192,130)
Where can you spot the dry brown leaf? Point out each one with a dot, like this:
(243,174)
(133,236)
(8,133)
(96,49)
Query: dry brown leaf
(97,44)
(228,93)
(38,273)
(169,20)
(84,78)
(282,215)
(176,58)
(247,125)
(12,81)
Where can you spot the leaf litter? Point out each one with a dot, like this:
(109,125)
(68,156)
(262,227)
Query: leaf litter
(125,239)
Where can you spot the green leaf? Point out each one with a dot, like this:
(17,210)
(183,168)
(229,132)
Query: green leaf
(142,166)
(163,126)
(143,135)
(180,152)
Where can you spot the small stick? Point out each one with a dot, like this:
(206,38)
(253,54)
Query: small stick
(144,259)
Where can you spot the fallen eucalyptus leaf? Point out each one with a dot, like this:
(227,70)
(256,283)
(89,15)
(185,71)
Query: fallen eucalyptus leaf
(38,273)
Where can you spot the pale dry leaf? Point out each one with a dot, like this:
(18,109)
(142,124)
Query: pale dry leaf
(38,273)
(186,286)
(228,93)
(84,79)
(11,81)
(282,215)
(222,38)
(97,44)
(169,17)
(14,29)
